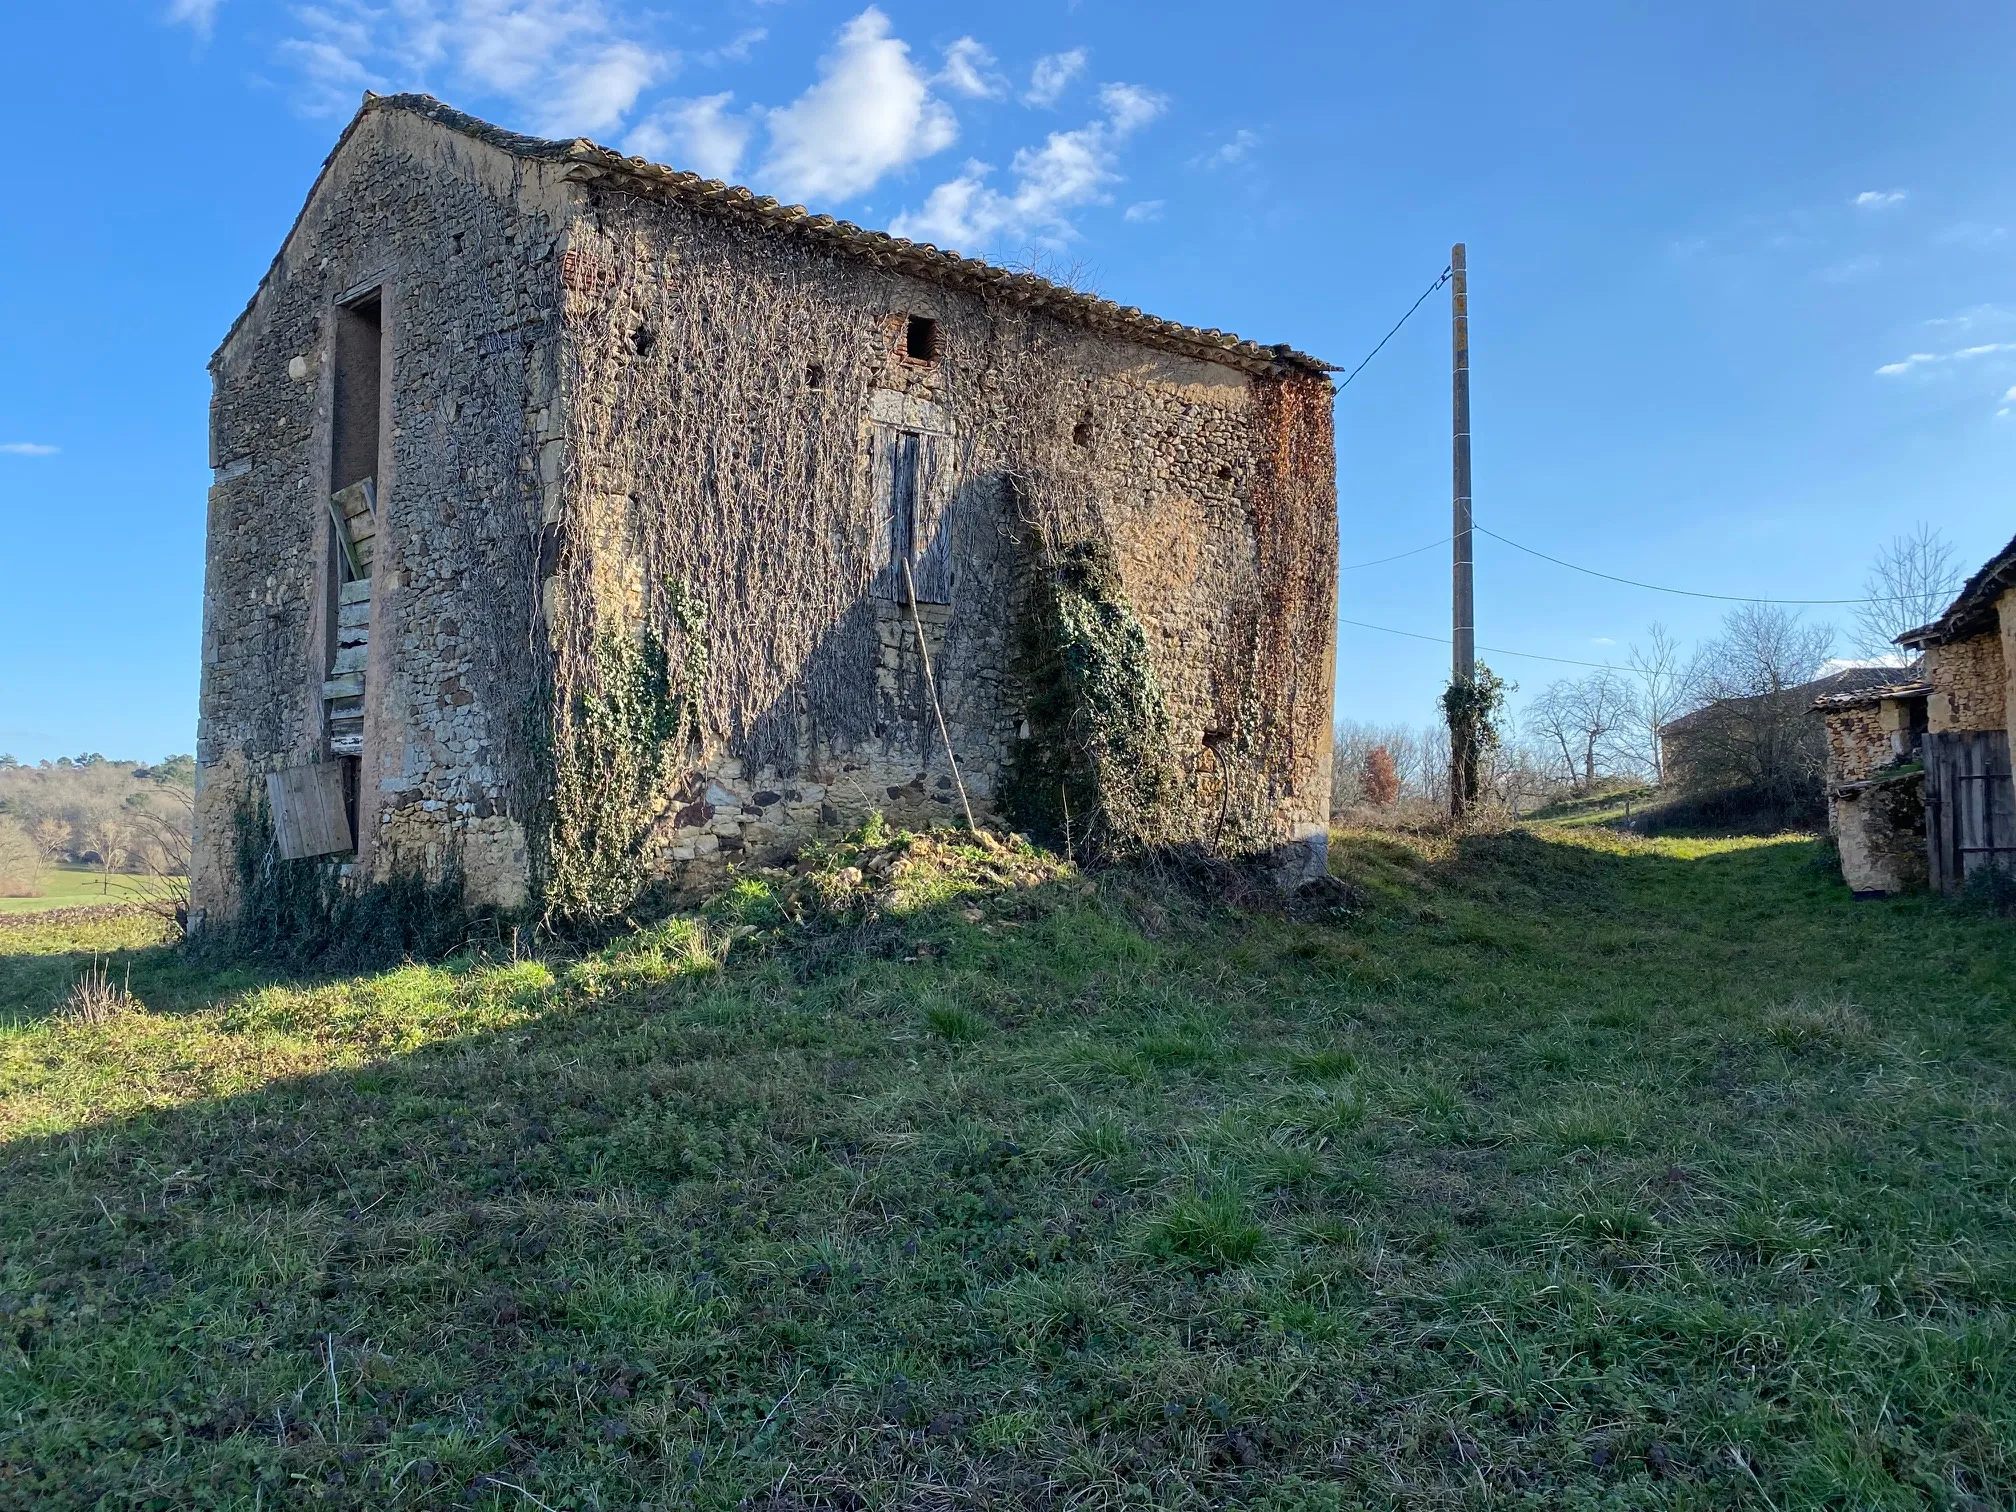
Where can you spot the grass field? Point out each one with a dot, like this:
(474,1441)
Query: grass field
(70,887)
(1570,1171)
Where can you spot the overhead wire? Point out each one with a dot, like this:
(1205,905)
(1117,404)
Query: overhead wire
(1441,279)
(1382,561)
(1727,598)
(1443,640)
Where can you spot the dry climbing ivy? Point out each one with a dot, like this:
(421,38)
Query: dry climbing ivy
(1098,776)
(620,743)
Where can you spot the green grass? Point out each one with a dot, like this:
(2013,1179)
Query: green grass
(1574,1170)
(71,887)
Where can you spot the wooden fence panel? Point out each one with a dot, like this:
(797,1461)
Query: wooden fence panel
(1970,805)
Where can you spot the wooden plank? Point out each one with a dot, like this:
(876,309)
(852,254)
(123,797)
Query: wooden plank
(349,685)
(360,498)
(349,659)
(309,817)
(343,542)
(358,592)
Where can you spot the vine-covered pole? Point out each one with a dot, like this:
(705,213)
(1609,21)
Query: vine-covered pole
(1462,604)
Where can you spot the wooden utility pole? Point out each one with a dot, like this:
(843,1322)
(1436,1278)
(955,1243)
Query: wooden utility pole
(1462,601)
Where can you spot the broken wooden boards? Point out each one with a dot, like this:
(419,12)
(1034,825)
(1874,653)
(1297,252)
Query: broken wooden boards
(354,513)
(310,814)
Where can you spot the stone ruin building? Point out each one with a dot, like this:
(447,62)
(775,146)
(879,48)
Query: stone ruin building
(1918,770)
(580,524)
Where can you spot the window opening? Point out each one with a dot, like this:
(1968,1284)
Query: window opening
(355,517)
(920,339)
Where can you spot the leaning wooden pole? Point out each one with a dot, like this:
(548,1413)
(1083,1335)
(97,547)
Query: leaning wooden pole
(1462,600)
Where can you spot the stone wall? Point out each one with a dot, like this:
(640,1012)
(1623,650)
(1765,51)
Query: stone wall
(593,405)
(1879,828)
(1857,742)
(461,237)
(1213,487)
(1968,684)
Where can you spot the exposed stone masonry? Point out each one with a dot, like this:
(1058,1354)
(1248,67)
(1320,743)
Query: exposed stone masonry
(597,398)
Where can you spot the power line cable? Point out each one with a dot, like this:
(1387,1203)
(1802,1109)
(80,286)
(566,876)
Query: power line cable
(1382,561)
(1446,274)
(1727,598)
(1443,640)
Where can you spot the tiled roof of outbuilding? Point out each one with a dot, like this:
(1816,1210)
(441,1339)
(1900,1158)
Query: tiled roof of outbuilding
(635,175)
(1869,695)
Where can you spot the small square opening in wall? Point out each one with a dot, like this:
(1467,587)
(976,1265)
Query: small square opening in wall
(920,339)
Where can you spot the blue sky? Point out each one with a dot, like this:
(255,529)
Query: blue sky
(1741,275)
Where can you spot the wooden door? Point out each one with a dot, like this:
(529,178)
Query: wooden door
(1970,805)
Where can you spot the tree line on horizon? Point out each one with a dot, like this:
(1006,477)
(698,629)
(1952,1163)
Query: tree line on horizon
(1751,733)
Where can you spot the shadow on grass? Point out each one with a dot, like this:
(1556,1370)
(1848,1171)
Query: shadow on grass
(1065,1191)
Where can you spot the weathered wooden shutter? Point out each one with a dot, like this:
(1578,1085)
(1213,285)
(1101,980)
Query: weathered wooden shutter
(310,817)
(884,576)
(899,461)
(931,534)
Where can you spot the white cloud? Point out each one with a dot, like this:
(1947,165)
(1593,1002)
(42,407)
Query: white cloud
(1052,74)
(595,94)
(200,16)
(1070,170)
(1981,314)
(1919,360)
(1130,107)
(737,51)
(1235,151)
(870,112)
(2010,397)
(28,449)
(700,135)
(1880,199)
(565,64)
(969,70)
(1143,211)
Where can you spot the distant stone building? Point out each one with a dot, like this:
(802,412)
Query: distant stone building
(578,523)
(1759,740)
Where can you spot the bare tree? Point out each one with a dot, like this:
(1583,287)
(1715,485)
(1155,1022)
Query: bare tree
(1753,726)
(1908,585)
(52,839)
(1584,725)
(20,861)
(1661,695)
(164,828)
(108,833)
